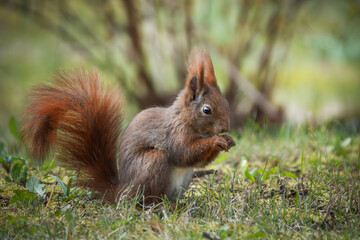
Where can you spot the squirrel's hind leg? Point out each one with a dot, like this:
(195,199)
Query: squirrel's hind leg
(152,176)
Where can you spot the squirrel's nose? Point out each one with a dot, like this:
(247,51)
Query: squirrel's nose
(225,127)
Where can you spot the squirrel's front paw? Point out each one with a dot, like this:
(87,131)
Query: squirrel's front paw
(223,142)
(229,140)
(220,143)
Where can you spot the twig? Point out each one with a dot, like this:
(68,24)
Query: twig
(52,191)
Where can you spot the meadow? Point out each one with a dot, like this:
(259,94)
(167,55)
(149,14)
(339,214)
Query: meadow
(296,179)
(279,182)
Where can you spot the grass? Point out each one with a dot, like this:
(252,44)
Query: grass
(279,182)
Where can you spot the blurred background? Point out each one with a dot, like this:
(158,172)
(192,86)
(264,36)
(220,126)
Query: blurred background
(284,60)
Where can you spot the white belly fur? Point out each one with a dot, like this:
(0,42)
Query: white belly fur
(180,180)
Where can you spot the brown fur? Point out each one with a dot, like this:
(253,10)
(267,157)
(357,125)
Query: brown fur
(158,149)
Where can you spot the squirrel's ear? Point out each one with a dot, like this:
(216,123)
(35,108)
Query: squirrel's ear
(200,71)
(195,84)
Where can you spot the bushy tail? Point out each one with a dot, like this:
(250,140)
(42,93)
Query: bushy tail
(81,120)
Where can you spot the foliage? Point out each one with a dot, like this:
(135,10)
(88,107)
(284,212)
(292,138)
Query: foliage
(16,167)
(278,182)
(143,46)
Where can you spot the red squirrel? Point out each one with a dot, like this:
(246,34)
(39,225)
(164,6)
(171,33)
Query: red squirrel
(80,119)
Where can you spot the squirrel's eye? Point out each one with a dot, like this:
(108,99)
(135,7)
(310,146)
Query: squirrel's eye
(206,110)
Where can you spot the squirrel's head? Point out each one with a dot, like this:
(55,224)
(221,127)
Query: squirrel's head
(208,109)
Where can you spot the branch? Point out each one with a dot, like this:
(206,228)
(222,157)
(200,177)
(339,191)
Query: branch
(252,93)
(135,37)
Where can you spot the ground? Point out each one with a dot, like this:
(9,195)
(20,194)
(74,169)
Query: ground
(279,182)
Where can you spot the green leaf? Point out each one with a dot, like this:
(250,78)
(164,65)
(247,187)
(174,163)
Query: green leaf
(265,176)
(289,174)
(70,217)
(222,157)
(254,171)
(249,176)
(8,158)
(62,185)
(223,231)
(71,196)
(50,164)
(18,171)
(33,185)
(5,164)
(15,172)
(14,129)
(68,187)
(31,182)
(244,165)
(346,142)
(23,174)
(66,208)
(272,170)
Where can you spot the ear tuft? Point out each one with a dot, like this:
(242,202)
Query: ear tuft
(200,64)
